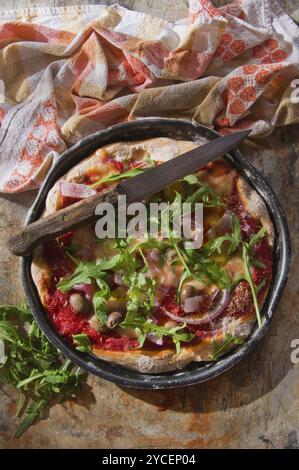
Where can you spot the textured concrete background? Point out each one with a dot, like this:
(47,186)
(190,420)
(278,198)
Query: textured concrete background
(254,405)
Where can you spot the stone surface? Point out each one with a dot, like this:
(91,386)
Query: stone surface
(253,405)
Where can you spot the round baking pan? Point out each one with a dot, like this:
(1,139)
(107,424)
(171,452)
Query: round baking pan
(197,371)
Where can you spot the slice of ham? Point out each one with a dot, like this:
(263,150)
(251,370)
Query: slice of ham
(222,227)
(75,190)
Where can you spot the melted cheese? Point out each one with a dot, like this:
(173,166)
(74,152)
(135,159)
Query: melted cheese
(235,268)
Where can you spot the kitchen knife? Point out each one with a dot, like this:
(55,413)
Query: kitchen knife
(138,188)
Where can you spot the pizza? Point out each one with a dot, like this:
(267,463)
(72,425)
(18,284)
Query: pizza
(152,304)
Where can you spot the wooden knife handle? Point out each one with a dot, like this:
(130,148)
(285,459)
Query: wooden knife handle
(62,221)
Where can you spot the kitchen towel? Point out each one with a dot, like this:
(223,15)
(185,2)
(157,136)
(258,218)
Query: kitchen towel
(68,72)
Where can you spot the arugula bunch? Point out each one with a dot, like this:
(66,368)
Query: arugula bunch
(96,271)
(200,265)
(232,243)
(141,293)
(86,272)
(141,296)
(33,366)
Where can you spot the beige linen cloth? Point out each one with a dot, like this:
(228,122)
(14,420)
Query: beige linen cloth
(68,72)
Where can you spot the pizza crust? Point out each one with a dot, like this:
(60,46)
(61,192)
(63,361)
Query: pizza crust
(41,273)
(150,361)
(166,360)
(255,205)
(153,362)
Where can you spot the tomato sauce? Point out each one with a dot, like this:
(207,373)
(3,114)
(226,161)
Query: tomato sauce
(66,321)
(67,201)
(121,343)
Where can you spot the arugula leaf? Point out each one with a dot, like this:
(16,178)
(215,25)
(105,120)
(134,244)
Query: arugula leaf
(214,273)
(257,237)
(236,235)
(234,239)
(106,264)
(247,261)
(191,179)
(8,332)
(33,412)
(204,193)
(128,263)
(206,269)
(249,279)
(236,242)
(184,278)
(121,243)
(140,296)
(86,272)
(99,301)
(150,243)
(182,259)
(257,263)
(119,176)
(224,347)
(33,365)
(147,326)
(82,342)
(261,285)
(83,274)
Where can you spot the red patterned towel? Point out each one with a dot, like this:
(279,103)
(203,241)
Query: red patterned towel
(66,73)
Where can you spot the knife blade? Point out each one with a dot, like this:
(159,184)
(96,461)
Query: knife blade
(150,182)
(138,188)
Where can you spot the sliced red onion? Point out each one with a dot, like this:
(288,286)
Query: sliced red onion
(161,293)
(153,338)
(87,289)
(212,315)
(86,253)
(153,267)
(75,190)
(118,278)
(214,294)
(246,228)
(191,304)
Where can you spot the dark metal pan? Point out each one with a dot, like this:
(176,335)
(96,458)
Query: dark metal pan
(197,371)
